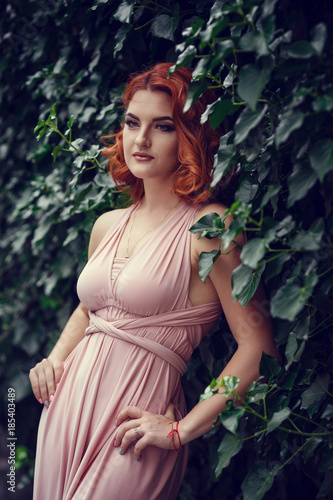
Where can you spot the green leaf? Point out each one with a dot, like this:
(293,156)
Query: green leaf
(70,122)
(321,157)
(120,38)
(328,412)
(301,50)
(229,447)
(56,150)
(206,262)
(209,225)
(310,239)
(290,121)
(185,57)
(289,300)
(248,281)
(247,189)
(258,481)
(224,158)
(231,417)
(291,349)
(319,33)
(195,90)
(252,81)
(254,41)
(299,182)
(253,251)
(163,26)
(124,12)
(315,394)
(277,419)
(269,367)
(323,102)
(247,120)
(272,190)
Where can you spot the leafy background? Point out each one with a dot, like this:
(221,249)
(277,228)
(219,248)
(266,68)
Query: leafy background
(271,65)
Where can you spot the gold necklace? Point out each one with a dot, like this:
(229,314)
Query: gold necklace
(129,253)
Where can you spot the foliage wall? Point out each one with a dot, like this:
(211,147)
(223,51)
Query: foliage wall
(271,65)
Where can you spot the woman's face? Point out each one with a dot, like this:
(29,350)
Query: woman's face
(150,139)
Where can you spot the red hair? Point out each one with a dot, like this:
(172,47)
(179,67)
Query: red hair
(197,143)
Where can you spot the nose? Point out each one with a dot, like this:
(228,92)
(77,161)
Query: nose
(142,139)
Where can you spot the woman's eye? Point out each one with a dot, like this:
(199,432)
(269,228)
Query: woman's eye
(165,128)
(131,123)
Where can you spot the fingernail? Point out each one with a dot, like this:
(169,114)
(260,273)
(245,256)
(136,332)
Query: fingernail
(119,451)
(136,458)
(47,404)
(51,398)
(40,401)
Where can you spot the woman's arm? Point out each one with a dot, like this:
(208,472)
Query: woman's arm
(252,329)
(45,376)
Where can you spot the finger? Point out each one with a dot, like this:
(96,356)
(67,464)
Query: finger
(140,446)
(170,412)
(129,412)
(123,429)
(49,379)
(35,384)
(129,438)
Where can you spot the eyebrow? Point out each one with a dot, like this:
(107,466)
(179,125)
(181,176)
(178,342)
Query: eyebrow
(158,119)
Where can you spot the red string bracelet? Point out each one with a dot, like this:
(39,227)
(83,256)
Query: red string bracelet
(172,435)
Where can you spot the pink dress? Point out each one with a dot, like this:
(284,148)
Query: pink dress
(142,332)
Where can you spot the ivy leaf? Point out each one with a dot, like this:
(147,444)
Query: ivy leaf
(206,262)
(120,38)
(314,395)
(290,121)
(223,159)
(301,50)
(254,41)
(291,349)
(319,33)
(195,90)
(209,225)
(185,57)
(231,417)
(124,12)
(56,150)
(163,26)
(247,189)
(269,367)
(309,240)
(278,418)
(291,298)
(245,282)
(299,182)
(258,481)
(253,251)
(252,81)
(229,447)
(247,120)
(321,157)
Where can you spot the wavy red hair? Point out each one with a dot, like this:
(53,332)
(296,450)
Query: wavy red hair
(197,143)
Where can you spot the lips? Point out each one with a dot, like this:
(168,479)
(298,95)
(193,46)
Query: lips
(143,156)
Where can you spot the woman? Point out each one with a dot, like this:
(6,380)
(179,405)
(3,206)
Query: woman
(114,423)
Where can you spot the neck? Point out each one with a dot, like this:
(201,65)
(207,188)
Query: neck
(158,197)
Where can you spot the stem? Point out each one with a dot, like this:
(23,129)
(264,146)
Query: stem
(294,454)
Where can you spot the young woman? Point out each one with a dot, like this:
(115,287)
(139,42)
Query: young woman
(114,423)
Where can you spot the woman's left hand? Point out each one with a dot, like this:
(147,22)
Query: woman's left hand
(144,429)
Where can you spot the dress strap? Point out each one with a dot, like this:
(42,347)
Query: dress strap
(100,325)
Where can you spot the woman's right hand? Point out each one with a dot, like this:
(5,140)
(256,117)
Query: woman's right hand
(44,378)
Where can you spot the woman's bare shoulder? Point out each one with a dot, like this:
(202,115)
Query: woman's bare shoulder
(101,227)
(210,207)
